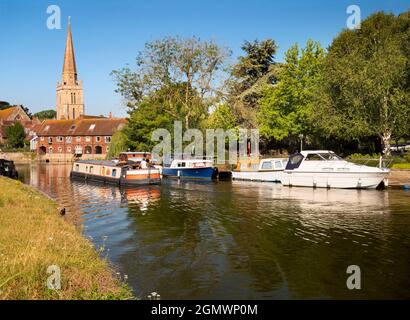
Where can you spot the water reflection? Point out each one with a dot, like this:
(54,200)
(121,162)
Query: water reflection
(242,240)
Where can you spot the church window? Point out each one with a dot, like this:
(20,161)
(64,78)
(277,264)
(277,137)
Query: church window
(78,139)
(68,139)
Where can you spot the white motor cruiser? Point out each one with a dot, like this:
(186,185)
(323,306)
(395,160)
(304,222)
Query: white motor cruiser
(325,169)
(268,170)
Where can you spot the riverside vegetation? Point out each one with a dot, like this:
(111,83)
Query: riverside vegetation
(34,236)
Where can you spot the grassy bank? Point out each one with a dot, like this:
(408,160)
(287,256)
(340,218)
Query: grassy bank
(33,237)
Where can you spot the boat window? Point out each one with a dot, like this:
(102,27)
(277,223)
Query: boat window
(266,165)
(91,169)
(77,167)
(314,157)
(244,166)
(294,161)
(330,156)
(181,164)
(278,164)
(114,172)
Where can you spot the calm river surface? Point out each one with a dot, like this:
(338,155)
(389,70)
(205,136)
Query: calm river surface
(241,240)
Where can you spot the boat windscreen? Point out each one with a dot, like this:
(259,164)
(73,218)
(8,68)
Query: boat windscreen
(331,156)
(294,161)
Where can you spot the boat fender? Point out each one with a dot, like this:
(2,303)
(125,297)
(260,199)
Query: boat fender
(406,187)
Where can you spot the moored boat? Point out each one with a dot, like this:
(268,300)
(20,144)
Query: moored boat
(267,170)
(8,169)
(325,169)
(190,169)
(115,172)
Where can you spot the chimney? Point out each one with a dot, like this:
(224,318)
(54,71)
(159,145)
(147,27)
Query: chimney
(110,115)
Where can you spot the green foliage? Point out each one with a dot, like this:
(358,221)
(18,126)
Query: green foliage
(180,72)
(119,143)
(366,89)
(46,114)
(401,166)
(15,135)
(4,105)
(256,69)
(286,109)
(222,117)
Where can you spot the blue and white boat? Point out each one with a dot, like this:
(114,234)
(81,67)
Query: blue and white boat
(190,169)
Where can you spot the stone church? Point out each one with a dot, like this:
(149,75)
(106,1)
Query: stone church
(73,134)
(70,100)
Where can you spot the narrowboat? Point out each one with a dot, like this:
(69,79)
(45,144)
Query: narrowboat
(266,170)
(8,169)
(191,169)
(325,169)
(116,172)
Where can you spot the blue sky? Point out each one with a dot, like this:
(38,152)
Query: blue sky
(108,34)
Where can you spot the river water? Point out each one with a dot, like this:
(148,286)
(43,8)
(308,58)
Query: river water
(241,240)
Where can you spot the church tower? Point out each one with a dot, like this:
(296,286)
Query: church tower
(70,104)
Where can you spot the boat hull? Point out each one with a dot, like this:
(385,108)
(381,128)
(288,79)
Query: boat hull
(123,181)
(267,176)
(207,173)
(360,180)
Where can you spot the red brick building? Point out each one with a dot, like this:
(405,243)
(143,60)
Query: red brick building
(10,116)
(84,137)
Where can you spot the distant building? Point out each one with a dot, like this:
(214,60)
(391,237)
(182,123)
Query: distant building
(70,100)
(10,116)
(86,138)
(73,134)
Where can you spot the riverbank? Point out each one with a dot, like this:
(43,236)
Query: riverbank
(33,236)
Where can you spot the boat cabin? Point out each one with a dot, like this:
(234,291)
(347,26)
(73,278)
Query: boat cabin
(191,163)
(312,157)
(269,164)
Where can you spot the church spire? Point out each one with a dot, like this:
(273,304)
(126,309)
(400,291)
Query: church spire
(69,67)
(70,103)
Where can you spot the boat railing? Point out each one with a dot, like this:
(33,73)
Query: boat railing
(381,162)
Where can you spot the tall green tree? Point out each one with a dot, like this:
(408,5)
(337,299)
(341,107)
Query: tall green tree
(172,66)
(366,81)
(45,114)
(15,135)
(286,108)
(254,70)
(119,143)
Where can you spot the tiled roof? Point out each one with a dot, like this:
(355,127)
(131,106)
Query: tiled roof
(5,113)
(81,127)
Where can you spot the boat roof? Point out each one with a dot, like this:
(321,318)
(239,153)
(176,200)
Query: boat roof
(107,163)
(136,152)
(274,159)
(191,160)
(306,152)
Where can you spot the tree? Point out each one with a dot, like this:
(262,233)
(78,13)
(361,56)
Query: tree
(366,81)
(255,70)
(286,108)
(173,65)
(15,135)
(222,117)
(46,114)
(4,105)
(119,143)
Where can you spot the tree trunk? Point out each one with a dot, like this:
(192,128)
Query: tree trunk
(386,137)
